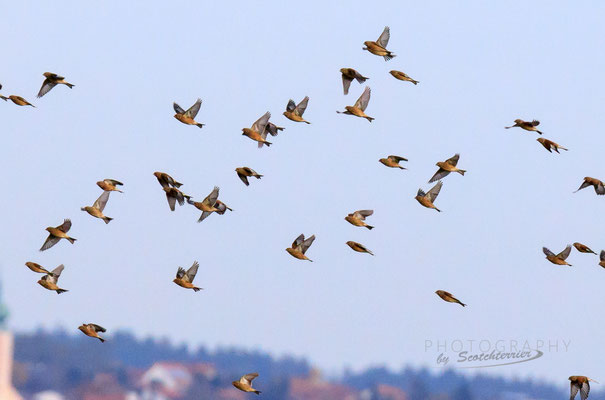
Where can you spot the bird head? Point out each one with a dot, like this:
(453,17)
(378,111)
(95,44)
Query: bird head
(48,74)
(518,121)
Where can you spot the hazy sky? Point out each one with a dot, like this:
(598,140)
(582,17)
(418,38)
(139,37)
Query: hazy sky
(480,65)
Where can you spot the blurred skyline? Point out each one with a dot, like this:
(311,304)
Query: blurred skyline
(480,66)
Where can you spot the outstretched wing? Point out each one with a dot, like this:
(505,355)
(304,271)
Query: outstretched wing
(364,99)
(584,390)
(397,158)
(65,226)
(363,213)
(248,378)
(260,124)
(102,201)
(548,252)
(194,109)
(453,160)
(434,192)
(98,328)
(56,273)
(574,390)
(602,255)
(420,193)
(298,241)
(244,179)
(306,244)
(192,271)
(47,85)
(291,105)
(210,200)
(50,242)
(535,122)
(565,253)
(301,107)
(178,109)
(383,40)
(346,83)
(440,174)
(180,273)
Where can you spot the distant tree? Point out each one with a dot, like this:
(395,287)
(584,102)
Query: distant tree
(463,392)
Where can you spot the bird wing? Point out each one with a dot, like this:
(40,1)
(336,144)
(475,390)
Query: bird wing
(98,328)
(434,192)
(178,109)
(397,158)
(306,244)
(565,253)
(194,109)
(363,100)
(298,241)
(192,271)
(244,178)
(602,255)
(440,174)
(102,200)
(548,252)
(362,214)
(346,83)
(584,185)
(248,378)
(180,273)
(204,215)
(114,182)
(584,390)
(453,160)
(420,193)
(50,242)
(210,200)
(383,40)
(291,105)
(47,85)
(260,124)
(600,189)
(301,107)
(574,390)
(535,122)
(56,273)
(171,201)
(65,226)
(221,207)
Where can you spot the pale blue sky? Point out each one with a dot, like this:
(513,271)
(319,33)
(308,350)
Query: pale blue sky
(480,65)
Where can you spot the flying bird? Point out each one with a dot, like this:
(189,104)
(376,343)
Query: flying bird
(37,268)
(528,126)
(245,172)
(582,248)
(51,81)
(173,195)
(300,247)
(393,161)
(427,199)
(245,383)
(18,100)
(550,145)
(379,47)
(166,180)
(359,108)
(447,166)
(358,217)
(294,112)
(50,280)
(110,185)
(188,117)
(402,76)
(447,296)
(602,259)
(92,330)
(578,382)
(599,188)
(57,233)
(208,205)
(185,278)
(97,208)
(257,130)
(358,247)
(348,74)
(558,259)
(271,129)
(221,207)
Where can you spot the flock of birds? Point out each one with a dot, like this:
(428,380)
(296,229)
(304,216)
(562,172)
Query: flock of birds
(258,132)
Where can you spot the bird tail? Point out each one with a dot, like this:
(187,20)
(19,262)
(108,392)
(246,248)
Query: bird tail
(461,303)
(540,132)
(563,148)
(191,202)
(370,119)
(71,240)
(199,125)
(415,82)
(389,56)
(196,289)
(107,219)
(437,209)
(307,122)
(69,85)
(369,227)
(101,339)
(268,143)
(361,80)
(59,291)
(178,184)
(461,171)
(259,392)
(258,176)
(4,98)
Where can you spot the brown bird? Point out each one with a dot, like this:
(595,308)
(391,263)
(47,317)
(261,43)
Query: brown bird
(245,172)
(51,81)
(166,180)
(245,383)
(427,199)
(599,188)
(109,185)
(447,296)
(185,278)
(528,126)
(578,382)
(49,281)
(403,76)
(300,247)
(18,100)
(348,74)
(359,108)
(602,259)
(37,268)
(393,161)
(582,248)
(208,205)
(57,233)
(97,208)
(258,129)
(445,167)
(358,217)
(550,145)
(272,129)
(173,195)
(188,117)
(358,247)
(221,207)
(558,259)
(92,330)
(294,112)
(379,47)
